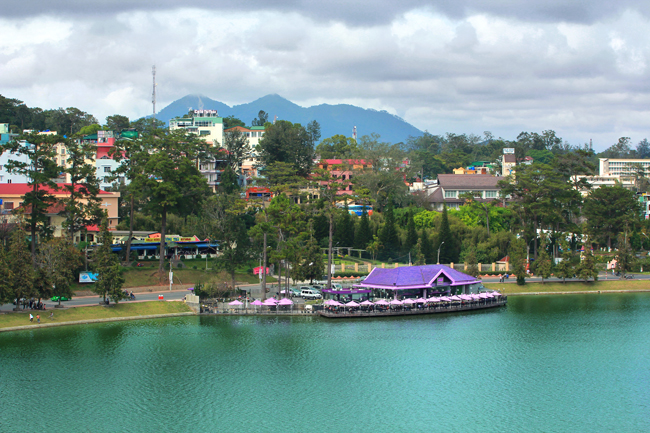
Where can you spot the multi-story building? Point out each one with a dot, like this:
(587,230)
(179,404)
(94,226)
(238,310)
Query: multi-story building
(623,167)
(451,186)
(205,123)
(209,126)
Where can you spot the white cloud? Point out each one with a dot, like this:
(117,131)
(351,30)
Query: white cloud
(454,72)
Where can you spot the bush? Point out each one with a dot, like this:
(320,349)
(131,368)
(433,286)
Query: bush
(521,280)
(179,265)
(194,267)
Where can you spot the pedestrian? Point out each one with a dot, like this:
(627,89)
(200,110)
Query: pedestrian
(52,315)
(31,317)
(38,318)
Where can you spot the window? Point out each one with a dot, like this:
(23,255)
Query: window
(450,194)
(9,181)
(491,194)
(9,205)
(204,132)
(63,151)
(0,167)
(107,169)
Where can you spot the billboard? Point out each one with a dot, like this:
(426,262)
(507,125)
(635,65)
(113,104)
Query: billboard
(507,150)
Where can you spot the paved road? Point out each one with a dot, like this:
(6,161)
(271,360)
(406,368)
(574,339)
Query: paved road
(256,292)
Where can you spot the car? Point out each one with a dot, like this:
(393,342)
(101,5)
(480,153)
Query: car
(63,298)
(310,294)
(292,292)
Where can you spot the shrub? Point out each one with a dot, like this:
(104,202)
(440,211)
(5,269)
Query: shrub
(194,267)
(179,265)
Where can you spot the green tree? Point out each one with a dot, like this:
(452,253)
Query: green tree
(6,278)
(518,260)
(586,270)
(312,265)
(261,119)
(290,143)
(117,123)
(344,231)
(170,178)
(40,168)
(231,121)
(419,254)
(609,210)
(229,181)
(542,266)
(446,241)
(374,246)
(21,265)
(237,149)
(336,147)
(363,232)
(472,264)
(57,260)
(106,264)
(427,249)
(411,234)
(388,235)
(625,259)
(82,201)
(565,268)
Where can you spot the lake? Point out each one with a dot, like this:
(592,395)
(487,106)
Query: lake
(560,363)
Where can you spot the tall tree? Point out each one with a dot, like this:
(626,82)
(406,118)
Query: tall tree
(109,276)
(237,149)
(170,177)
(388,235)
(117,123)
(586,270)
(609,210)
(289,143)
(232,121)
(446,242)
(40,167)
(57,260)
(82,203)
(336,146)
(411,234)
(363,232)
(261,119)
(6,277)
(427,249)
(22,266)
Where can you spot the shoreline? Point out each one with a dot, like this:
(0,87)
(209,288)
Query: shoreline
(81,322)
(158,316)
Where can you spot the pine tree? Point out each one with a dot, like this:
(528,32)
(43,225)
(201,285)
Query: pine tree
(388,235)
(20,262)
(518,260)
(106,264)
(411,235)
(6,277)
(543,266)
(472,264)
(419,254)
(363,233)
(427,248)
(565,269)
(587,267)
(446,241)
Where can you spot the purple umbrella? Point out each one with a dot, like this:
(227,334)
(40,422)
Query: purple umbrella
(367,303)
(409,301)
(235,302)
(351,304)
(381,302)
(395,302)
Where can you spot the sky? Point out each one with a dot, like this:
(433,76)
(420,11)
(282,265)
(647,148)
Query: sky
(460,66)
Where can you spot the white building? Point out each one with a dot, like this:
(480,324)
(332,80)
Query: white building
(205,123)
(618,167)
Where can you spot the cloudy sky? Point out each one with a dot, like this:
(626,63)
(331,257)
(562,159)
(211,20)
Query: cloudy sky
(465,66)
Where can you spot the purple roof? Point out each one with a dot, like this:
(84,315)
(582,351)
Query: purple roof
(413,277)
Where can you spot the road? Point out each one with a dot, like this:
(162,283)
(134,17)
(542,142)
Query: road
(256,291)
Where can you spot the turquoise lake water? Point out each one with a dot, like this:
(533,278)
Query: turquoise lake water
(572,363)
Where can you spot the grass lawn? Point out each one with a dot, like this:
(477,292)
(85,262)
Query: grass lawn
(570,286)
(130,309)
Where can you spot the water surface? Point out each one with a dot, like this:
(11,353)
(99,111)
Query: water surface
(562,363)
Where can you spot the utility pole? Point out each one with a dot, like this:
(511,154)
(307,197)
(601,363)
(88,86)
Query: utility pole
(439,251)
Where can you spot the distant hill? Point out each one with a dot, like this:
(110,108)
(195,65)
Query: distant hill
(333,119)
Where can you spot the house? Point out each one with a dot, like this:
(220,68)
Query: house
(12,196)
(451,186)
(508,162)
(343,170)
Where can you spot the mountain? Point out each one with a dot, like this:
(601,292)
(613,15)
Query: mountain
(333,119)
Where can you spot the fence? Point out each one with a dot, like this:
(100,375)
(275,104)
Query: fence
(366,267)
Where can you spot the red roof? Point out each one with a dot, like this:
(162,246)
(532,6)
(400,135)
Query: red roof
(24,188)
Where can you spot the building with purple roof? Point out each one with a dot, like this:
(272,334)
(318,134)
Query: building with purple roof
(420,281)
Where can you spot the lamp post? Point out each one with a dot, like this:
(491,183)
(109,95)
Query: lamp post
(439,251)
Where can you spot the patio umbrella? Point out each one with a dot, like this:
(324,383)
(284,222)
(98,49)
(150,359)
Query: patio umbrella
(334,303)
(367,303)
(455,298)
(257,303)
(286,301)
(434,299)
(408,301)
(381,302)
(420,300)
(235,302)
(444,299)
(351,304)
(395,302)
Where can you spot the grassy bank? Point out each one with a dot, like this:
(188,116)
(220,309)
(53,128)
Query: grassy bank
(131,309)
(570,286)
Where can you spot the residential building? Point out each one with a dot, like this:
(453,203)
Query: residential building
(12,196)
(599,181)
(248,168)
(508,162)
(451,186)
(343,170)
(205,123)
(623,167)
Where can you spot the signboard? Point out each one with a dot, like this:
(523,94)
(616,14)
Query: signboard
(507,150)
(87,277)
(172,238)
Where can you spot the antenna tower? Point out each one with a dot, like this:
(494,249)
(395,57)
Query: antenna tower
(354,133)
(153,95)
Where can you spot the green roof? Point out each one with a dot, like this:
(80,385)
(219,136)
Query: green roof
(209,119)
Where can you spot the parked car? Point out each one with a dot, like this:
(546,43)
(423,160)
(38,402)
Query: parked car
(292,292)
(310,294)
(63,298)
(337,286)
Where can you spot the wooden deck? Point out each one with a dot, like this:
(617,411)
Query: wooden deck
(415,311)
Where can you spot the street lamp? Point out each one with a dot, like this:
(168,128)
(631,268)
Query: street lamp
(439,251)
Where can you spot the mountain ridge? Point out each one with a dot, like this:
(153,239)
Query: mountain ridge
(333,118)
